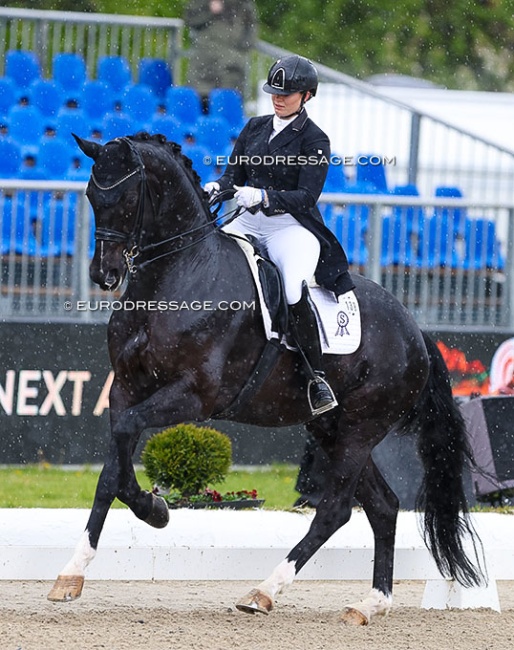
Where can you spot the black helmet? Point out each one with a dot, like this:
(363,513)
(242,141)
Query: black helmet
(291,74)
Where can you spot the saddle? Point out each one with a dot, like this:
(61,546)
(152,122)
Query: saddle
(339,322)
(274,309)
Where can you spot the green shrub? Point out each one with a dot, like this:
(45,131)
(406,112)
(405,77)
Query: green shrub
(187,458)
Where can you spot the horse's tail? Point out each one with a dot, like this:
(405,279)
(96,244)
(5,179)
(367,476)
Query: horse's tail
(444,451)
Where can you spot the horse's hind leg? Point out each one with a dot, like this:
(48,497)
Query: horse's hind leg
(381,507)
(333,511)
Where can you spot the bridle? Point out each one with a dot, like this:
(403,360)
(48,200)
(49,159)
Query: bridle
(133,244)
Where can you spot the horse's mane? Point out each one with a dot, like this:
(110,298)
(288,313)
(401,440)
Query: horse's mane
(177,153)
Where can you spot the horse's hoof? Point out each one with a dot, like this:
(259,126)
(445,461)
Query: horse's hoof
(66,589)
(160,513)
(255,601)
(352,616)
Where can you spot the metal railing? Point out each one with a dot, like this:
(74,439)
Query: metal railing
(427,151)
(449,261)
(430,254)
(92,35)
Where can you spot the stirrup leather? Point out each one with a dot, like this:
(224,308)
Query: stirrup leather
(324,407)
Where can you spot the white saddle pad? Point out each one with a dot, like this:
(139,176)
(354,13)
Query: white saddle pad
(339,322)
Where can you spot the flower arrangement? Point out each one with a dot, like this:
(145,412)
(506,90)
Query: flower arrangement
(181,462)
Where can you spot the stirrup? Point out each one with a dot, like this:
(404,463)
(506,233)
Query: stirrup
(330,402)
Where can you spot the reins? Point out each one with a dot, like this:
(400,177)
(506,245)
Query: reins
(133,240)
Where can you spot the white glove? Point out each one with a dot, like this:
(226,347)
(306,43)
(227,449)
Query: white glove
(248,197)
(212,188)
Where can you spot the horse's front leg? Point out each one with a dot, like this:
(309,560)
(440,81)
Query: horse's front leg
(171,404)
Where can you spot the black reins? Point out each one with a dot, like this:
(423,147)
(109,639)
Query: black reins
(134,246)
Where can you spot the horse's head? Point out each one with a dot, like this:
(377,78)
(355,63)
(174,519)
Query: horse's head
(144,196)
(114,192)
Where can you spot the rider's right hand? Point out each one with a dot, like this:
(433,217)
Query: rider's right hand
(212,188)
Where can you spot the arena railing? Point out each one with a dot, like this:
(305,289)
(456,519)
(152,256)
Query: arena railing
(92,36)
(421,149)
(449,261)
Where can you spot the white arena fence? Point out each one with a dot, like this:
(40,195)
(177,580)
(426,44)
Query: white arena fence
(448,260)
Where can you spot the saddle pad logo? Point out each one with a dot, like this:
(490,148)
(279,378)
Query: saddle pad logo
(342,323)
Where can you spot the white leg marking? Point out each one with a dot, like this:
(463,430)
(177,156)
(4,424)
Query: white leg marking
(376,603)
(83,555)
(283,575)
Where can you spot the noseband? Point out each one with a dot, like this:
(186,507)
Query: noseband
(133,240)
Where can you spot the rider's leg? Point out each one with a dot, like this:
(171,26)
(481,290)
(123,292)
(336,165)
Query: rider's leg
(305,331)
(296,251)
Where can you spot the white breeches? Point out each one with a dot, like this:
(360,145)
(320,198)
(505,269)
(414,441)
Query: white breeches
(289,245)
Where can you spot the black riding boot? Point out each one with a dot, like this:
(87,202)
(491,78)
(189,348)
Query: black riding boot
(304,329)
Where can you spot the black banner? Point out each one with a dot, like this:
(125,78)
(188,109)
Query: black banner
(55,379)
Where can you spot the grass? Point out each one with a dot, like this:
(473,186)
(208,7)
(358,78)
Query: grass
(46,486)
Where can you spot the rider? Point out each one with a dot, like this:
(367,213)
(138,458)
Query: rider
(278,168)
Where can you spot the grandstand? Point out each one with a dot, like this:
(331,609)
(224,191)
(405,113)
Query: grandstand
(419,205)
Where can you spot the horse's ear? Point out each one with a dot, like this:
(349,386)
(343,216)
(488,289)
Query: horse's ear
(91,149)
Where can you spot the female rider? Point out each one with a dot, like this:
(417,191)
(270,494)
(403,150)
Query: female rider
(278,167)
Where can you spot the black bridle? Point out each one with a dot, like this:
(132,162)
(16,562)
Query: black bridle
(134,247)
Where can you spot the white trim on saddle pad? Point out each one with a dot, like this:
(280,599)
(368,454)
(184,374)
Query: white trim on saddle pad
(339,322)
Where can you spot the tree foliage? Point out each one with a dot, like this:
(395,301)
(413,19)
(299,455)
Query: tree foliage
(459,44)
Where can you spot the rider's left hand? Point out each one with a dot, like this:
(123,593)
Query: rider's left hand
(248,197)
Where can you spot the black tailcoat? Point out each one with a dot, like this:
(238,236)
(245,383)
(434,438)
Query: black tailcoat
(292,168)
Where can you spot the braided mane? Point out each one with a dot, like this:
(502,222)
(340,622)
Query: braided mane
(176,152)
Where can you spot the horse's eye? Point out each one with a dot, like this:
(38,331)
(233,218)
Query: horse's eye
(131,199)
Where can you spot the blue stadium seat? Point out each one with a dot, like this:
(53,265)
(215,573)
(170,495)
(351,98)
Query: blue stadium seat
(48,97)
(26,126)
(115,125)
(442,240)
(57,226)
(18,225)
(350,231)
(31,171)
(483,249)
(10,158)
(8,95)
(440,244)
(455,216)
(227,103)
(400,241)
(184,104)
(213,133)
(197,153)
(69,70)
(168,126)
(336,180)
(97,100)
(54,158)
(140,104)
(69,121)
(369,172)
(156,74)
(22,67)
(114,71)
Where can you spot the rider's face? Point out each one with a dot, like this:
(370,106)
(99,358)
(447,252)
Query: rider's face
(286,105)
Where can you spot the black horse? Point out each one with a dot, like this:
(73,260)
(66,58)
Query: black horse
(153,224)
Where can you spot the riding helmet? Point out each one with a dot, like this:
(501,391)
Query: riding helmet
(291,74)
